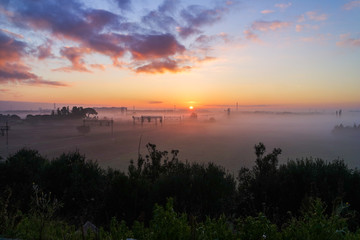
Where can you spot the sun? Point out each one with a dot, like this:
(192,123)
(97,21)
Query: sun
(191,107)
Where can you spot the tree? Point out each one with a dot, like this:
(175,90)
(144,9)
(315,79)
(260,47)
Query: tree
(89,111)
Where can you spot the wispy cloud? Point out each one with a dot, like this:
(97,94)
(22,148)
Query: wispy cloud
(267,11)
(301,27)
(351,5)
(283,6)
(161,66)
(155,102)
(250,35)
(265,26)
(12,68)
(347,41)
(301,18)
(316,17)
(319,38)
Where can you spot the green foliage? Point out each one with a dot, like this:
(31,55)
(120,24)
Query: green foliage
(214,229)
(38,224)
(118,230)
(8,217)
(167,224)
(315,224)
(255,228)
(140,231)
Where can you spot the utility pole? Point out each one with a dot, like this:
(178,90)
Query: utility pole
(5,131)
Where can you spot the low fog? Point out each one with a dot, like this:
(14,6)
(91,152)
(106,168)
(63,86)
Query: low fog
(216,136)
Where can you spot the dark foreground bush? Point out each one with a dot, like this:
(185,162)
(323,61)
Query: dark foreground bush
(166,223)
(267,200)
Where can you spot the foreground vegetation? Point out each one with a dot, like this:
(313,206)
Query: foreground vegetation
(160,197)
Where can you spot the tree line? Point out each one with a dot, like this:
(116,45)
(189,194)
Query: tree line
(64,113)
(73,190)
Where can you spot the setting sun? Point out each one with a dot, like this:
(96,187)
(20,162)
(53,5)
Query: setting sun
(191,107)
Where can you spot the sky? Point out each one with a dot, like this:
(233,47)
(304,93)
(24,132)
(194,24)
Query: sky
(161,54)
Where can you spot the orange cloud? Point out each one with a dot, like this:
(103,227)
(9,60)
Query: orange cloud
(162,66)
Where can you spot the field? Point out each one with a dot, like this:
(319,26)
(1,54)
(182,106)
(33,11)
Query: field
(226,140)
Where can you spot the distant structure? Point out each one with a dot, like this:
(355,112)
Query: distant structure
(173,118)
(338,113)
(143,118)
(123,110)
(103,122)
(237,106)
(5,132)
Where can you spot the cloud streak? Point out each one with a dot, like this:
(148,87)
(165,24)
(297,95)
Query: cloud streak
(283,6)
(265,26)
(347,41)
(351,5)
(316,17)
(12,68)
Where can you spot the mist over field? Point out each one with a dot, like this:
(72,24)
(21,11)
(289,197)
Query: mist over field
(215,136)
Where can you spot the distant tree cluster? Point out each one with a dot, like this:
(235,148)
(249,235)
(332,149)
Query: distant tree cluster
(346,129)
(65,113)
(9,118)
(268,199)
(76,112)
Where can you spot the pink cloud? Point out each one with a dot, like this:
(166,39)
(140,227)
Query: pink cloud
(317,17)
(283,6)
(44,51)
(351,5)
(75,56)
(347,41)
(162,66)
(19,73)
(12,68)
(250,35)
(299,27)
(265,26)
(319,38)
(301,18)
(98,66)
(267,11)
(11,33)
